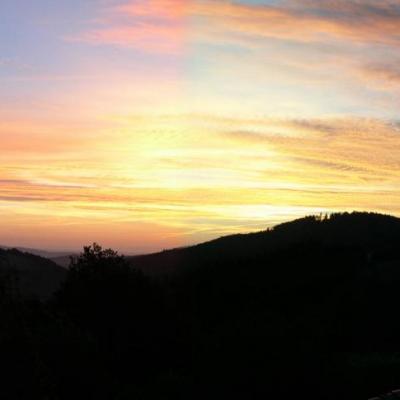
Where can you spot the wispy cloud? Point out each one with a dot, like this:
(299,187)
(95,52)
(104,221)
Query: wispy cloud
(155,26)
(313,21)
(383,75)
(192,181)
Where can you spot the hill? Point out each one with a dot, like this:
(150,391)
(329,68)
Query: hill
(32,275)
(306,309)
(309,306)
(373,235)
(38,252)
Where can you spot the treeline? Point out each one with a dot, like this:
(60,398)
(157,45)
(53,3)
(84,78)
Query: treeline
(315,319)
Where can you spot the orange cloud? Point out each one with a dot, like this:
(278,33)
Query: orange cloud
(313,22)
(385,76)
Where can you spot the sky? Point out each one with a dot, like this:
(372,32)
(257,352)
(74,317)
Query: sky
(150,124)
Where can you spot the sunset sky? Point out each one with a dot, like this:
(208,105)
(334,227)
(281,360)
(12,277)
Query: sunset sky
(148,124)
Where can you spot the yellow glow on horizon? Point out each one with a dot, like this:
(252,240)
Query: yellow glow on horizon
(192,181)
(154,126)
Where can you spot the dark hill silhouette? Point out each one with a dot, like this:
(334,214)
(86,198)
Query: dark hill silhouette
(371,233)
(308,309)
(31,275)
(312,302)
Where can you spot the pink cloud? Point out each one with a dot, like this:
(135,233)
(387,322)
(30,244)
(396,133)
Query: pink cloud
(165,9)
(146,37)
(156,26)
(160,25)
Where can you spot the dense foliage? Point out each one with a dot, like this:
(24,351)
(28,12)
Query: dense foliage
(309,308)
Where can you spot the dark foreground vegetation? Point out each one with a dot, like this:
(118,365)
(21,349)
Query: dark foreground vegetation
(309,309)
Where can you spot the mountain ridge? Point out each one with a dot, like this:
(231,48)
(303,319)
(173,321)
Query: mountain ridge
(373,235)
(313,303)
(346,229)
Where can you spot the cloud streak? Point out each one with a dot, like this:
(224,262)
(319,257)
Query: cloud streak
(287,167)
(155,26)
(355,21)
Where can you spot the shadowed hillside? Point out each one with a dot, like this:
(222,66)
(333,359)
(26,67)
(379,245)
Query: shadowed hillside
(63,261)
(309,308)
(31,275)
(373,236)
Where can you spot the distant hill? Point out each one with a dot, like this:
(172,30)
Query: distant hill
(38,252)
(64,260)
(33,275)
(372,234)
(61,258)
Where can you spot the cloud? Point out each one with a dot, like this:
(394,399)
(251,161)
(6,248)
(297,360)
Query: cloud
(347,151)
(218,175)
(384,75)
(162,9)
(153,26)
(163,25)
(312,21)
(144,36)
